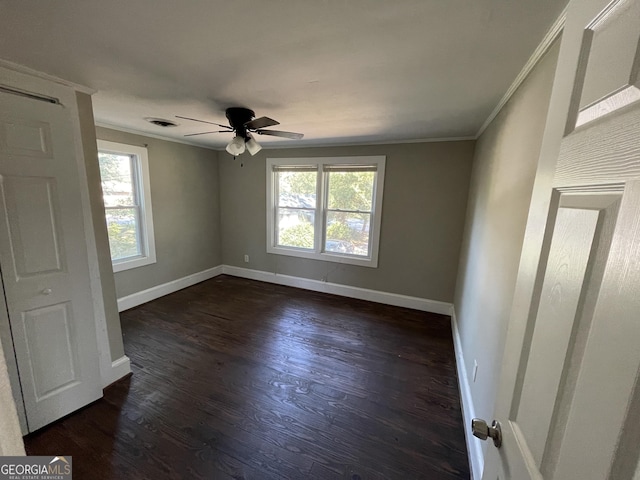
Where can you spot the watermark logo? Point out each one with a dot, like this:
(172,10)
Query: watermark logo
(36,468)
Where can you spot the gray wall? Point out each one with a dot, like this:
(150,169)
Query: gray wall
(501,185)
(114,331)
(425,198)
(186,211)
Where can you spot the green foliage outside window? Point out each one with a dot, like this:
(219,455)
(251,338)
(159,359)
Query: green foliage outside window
(300,235)
(120,208)
(349,193)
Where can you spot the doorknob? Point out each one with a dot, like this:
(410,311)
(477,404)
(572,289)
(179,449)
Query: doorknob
(46,291)
(481,430)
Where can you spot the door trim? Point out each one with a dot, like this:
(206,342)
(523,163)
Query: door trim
(120,368)
(16,67)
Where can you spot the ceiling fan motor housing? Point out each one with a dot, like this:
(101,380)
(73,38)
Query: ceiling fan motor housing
(243,125)
(238,116)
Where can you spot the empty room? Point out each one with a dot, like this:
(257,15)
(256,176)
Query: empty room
(320,240)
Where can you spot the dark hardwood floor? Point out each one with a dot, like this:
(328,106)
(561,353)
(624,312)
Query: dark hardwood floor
(237,379)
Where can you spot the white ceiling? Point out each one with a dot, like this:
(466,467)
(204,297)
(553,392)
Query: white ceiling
(339,71)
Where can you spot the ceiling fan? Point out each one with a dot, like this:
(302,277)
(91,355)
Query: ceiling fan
(243,124)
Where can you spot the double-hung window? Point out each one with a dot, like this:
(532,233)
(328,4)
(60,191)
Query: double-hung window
(325,208)
(124,172)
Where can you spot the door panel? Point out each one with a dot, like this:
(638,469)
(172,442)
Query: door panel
(52,359)
(609,368)
(611,56)
(31,211)
(564,280)
(44,261)
(550,367)
(26,137)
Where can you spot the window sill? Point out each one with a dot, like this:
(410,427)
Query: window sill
(325,256)
(132,262)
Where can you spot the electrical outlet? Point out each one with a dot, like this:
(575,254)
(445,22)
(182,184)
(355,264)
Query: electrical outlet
(246,259)
(475,370)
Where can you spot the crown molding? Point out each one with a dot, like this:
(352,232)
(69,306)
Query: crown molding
(552,34)
(292,145)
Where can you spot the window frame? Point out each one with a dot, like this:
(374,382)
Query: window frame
(321,210)
(142,193)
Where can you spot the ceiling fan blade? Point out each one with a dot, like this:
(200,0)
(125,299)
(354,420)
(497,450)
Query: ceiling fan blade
(280,133)
(261,123)
(204,133)
(204,121)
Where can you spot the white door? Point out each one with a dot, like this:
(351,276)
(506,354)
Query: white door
(43,258)
(569,400)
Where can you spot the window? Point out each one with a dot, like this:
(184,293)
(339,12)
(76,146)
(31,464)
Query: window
(124,171)
(325,208)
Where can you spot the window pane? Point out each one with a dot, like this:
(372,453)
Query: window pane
(117,179)
(295,228)
(297,189)
(351,190)
(347,233)
(122,225)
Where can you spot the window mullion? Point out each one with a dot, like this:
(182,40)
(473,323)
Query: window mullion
(320,202)
(325,207)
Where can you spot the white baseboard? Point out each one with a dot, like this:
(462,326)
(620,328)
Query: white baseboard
(433,306)
(395,299)
(474,446)
(119,368)
(158,291)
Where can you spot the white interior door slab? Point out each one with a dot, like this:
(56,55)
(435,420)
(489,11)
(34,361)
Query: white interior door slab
(569,400)
(44,264)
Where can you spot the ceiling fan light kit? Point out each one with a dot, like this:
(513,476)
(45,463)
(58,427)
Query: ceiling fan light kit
(236,146)
(243,124)
(253,147)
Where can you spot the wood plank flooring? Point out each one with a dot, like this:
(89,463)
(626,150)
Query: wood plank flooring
(237,379)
